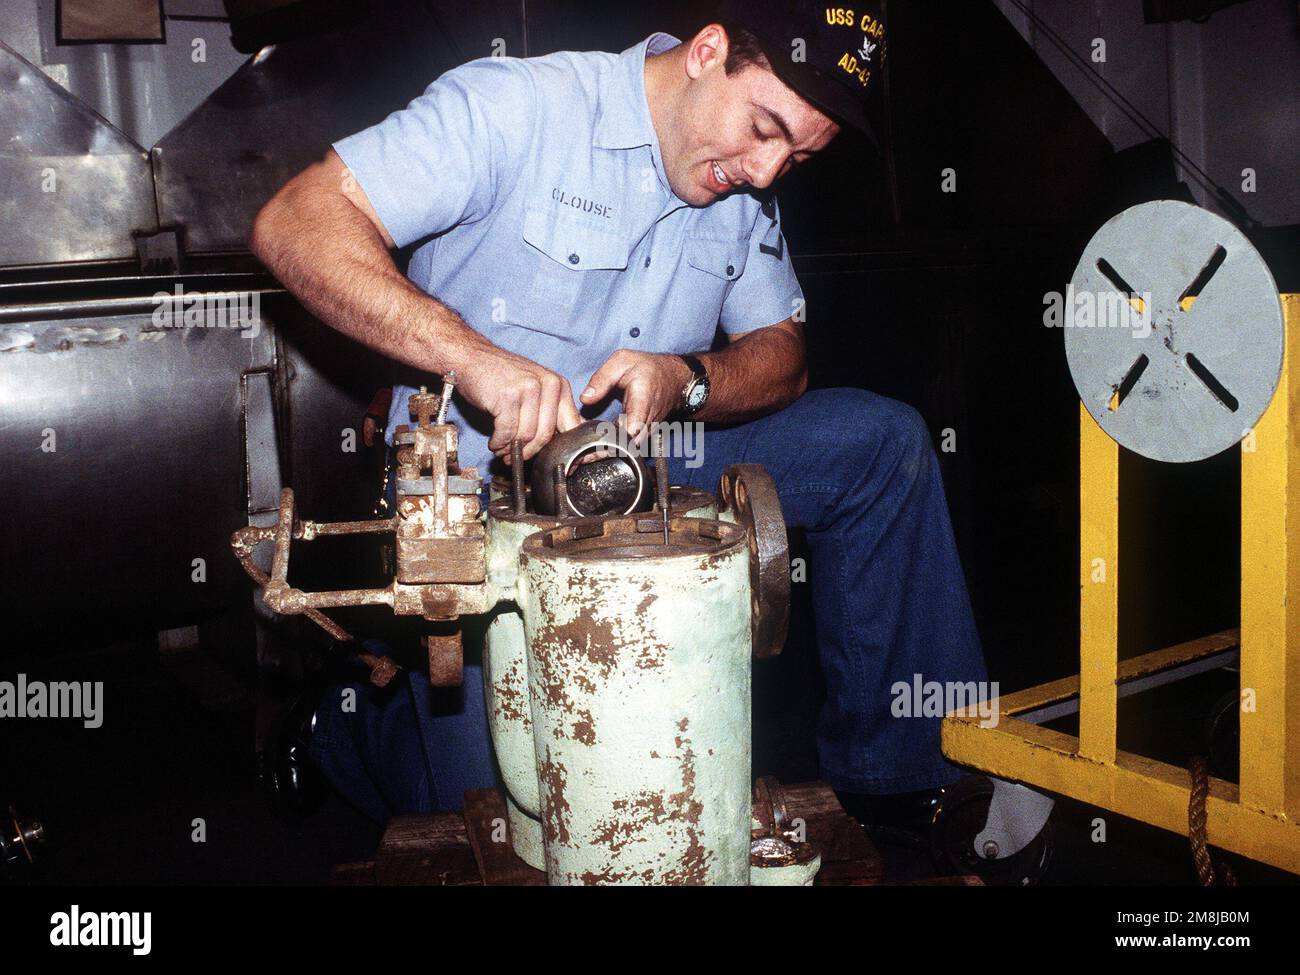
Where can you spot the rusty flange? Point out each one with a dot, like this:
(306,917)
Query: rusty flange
(749,492)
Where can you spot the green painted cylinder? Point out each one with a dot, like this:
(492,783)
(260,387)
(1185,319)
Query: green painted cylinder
(639,689)
(505,679)
(505,665)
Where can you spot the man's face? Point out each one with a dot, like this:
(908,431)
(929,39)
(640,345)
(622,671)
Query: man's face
(738,130)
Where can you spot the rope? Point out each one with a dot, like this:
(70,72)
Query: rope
(1196,816)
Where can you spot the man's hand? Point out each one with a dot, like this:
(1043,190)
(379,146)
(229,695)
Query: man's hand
(652,385)
(526,401)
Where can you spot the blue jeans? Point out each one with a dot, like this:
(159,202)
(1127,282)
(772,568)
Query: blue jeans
(857,471)
(405,748)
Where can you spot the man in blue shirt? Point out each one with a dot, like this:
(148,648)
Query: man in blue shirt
(585,222)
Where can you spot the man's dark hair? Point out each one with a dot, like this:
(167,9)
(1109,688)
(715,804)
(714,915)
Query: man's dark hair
(743,49)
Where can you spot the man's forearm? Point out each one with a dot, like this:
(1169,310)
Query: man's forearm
(757,374)
(332,258)
(321,237)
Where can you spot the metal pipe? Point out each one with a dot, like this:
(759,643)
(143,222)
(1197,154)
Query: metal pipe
(243,542)
(444,401)
(40,311)
(347,597)
(517,475)
(283,534)
(307,530)
(661,479)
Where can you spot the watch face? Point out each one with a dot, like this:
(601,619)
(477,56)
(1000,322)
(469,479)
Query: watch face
(696,395)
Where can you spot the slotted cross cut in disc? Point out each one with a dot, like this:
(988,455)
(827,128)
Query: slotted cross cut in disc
(1173,331)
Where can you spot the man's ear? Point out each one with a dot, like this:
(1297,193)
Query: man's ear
(708,49)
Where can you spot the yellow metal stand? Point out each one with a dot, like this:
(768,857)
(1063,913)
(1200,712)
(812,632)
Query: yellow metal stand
(1260,818)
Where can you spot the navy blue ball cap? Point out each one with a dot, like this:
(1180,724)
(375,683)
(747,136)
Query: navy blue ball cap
(831,55)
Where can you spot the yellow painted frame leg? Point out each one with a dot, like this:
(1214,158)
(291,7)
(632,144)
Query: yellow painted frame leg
(1098,589)
(1270,593)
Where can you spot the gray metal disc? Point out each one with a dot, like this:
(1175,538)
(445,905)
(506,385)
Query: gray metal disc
(1198,380)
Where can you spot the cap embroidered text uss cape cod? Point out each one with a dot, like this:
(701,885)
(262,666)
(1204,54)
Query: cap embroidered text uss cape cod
(829,54)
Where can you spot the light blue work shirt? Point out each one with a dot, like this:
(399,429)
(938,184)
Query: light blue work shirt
(537,189)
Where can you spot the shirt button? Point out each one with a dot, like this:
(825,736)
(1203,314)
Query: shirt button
(635,333)
(574,259)
(647,262)
(730,270)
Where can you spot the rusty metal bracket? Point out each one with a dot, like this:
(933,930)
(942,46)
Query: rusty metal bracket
(291,601)
(285,599)
(440,570)
(749,493)
(282,598)
(446,655)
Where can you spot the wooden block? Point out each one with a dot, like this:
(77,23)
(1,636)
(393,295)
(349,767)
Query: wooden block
(426,850)
(486,824)
(849,858)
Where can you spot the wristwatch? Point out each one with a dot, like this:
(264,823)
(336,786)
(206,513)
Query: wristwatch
(696,392)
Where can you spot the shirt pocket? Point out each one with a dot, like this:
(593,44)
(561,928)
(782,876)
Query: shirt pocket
(719,258)
(573,264)
(712,264)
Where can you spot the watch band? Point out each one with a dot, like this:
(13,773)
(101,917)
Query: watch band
(699,378)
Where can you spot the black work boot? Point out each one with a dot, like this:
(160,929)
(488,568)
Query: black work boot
(904,817)
(285,767)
